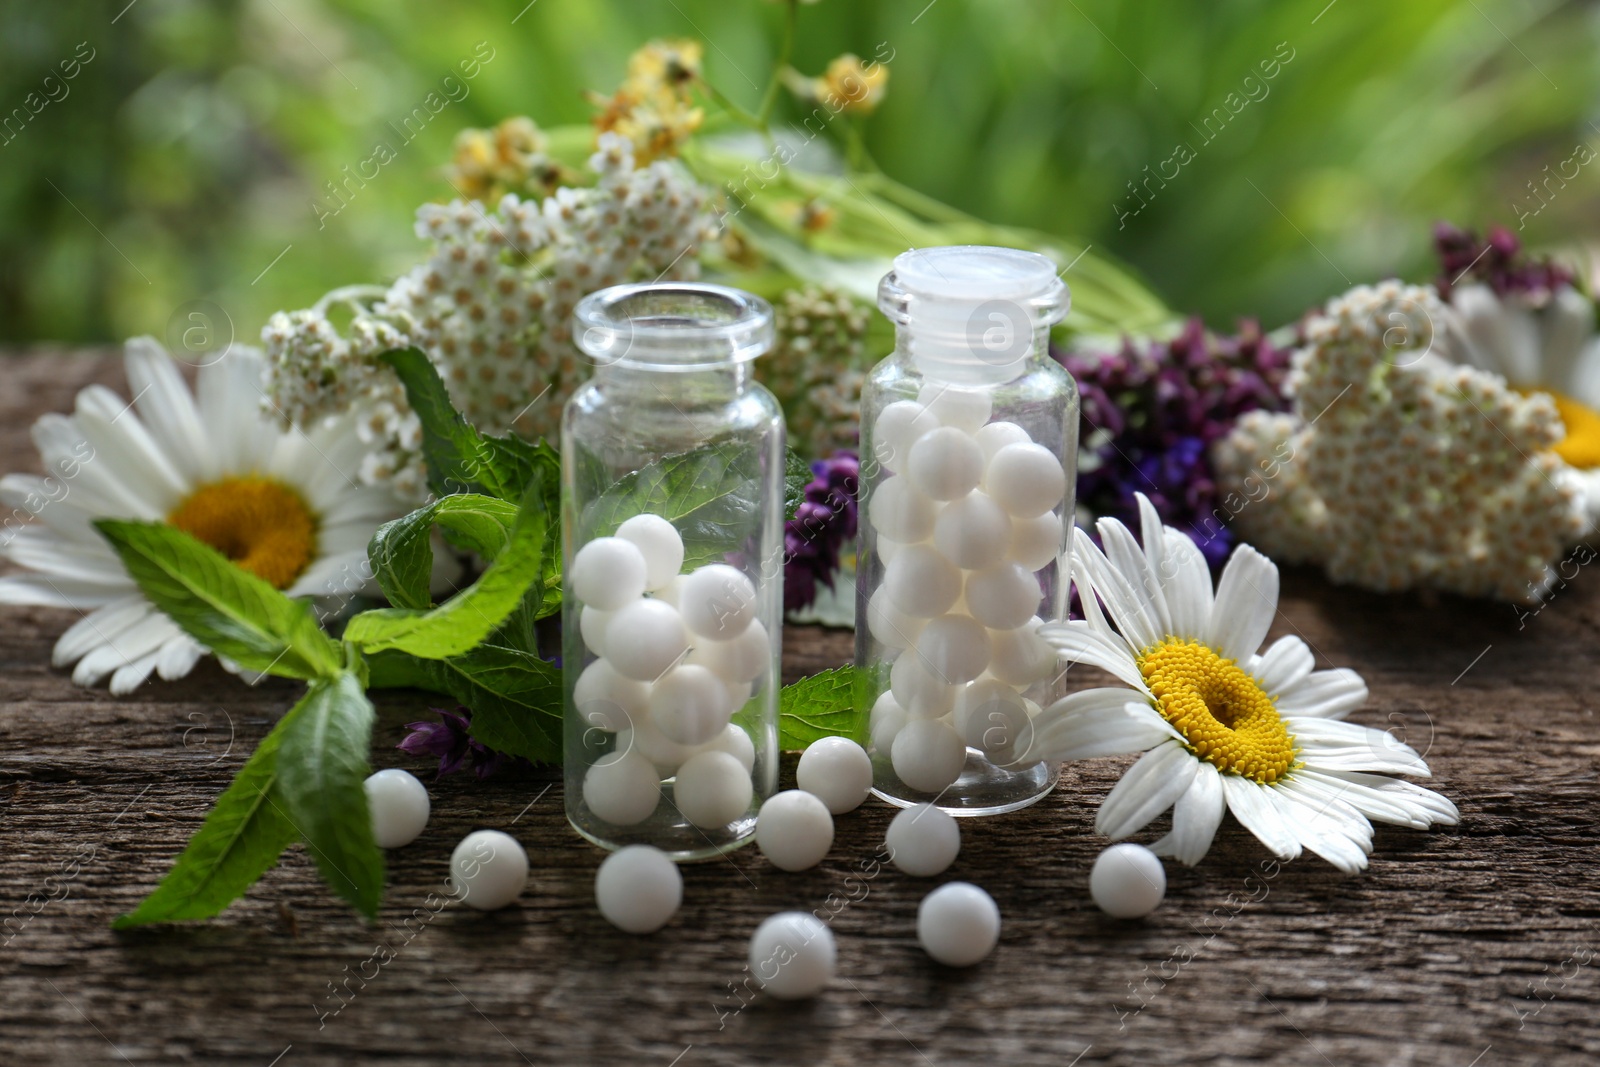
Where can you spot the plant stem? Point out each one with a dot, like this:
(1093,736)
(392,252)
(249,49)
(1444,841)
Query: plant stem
(769,99)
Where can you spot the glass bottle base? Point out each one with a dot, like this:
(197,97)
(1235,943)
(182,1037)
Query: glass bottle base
(982,789)
(681,840)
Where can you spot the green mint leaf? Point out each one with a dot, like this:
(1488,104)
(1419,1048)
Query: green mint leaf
(461,459)
(797,475)
(823,705)
(225,608)
(712,495)
(515,697)
(473,614)
(401,551)
(244,833)
(322,768)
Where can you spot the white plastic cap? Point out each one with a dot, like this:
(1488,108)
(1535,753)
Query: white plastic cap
(972,312)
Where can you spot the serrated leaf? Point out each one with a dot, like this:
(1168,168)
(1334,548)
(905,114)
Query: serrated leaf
(225,608)
(401,551)
(712,495)
(322,768)
(822,705)
(797,474)
(473,614)
(515,697)
(461,459)
(244,833)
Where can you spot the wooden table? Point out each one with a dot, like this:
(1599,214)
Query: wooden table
(1470,947)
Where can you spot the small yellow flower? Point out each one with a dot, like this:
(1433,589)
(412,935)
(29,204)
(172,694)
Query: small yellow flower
(654,107)
(664,64)
(510,158)
(850,85)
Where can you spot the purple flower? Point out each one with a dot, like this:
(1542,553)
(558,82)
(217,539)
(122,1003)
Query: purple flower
(451,741)
(1496,261)
(823,524)
(1152,410)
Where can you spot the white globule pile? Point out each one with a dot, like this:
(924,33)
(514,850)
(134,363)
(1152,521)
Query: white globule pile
(678,654)
(966,515)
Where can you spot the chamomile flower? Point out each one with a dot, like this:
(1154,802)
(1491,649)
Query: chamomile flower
(282,504)
(1222,727)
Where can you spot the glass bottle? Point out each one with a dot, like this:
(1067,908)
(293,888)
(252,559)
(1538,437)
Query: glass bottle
(672,461)
(969,459)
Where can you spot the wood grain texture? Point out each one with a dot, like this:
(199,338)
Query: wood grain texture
(1473,945)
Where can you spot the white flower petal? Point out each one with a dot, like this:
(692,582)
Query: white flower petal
(1088,600)
(1151,786)
(1324,695)
(1078,643)
(1095,722)
(1283,666)
(1318,787)
(50,502)
(1336,832)
(1187,582)
(99,627)
(1247,600)
(167,407)
(126,679)
(121,441)
(1423,803)
(178,657)
(41,590)
(1129,560)
(38,550)
(1129,609)
(1195,818)
(1257,813)
(1393,758)
(60,441)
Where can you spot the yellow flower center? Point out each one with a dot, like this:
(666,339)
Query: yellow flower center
(1581,447)
(260,524)
(1222,713)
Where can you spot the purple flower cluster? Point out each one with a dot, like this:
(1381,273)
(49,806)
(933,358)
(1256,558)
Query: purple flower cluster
(450,740)
(1151,412)
(821,527)
(1497,261)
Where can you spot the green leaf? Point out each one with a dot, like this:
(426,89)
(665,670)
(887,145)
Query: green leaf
(401,551)
(244,833)
(823,705)
(796,476)
(515,697)
(461,459)
(473,614)
(225,608)
(322,768)
(712,495)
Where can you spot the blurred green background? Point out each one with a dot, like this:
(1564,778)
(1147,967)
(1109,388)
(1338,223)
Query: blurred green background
(182,162)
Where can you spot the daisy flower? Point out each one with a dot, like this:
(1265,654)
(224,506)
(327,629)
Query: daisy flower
(1221,727)
(283,505)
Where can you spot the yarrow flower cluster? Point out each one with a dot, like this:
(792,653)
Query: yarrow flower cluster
(1524,320)
(1399,467)
(491,306)
(818,365)
(1151,413)
(815,538)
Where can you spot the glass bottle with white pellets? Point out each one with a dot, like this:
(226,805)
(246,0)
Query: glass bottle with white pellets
(968,463)
(672,461)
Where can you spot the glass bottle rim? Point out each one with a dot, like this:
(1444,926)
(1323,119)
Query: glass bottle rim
(672,325)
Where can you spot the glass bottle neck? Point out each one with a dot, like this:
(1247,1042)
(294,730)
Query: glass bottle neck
(991,356)
(708,381)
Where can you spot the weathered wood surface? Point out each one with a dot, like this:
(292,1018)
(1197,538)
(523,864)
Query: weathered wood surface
(1470,946)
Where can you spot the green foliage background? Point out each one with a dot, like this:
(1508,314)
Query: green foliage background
(186,155)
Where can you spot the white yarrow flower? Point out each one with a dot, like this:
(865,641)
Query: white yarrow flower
(283,504)
(1222,728)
